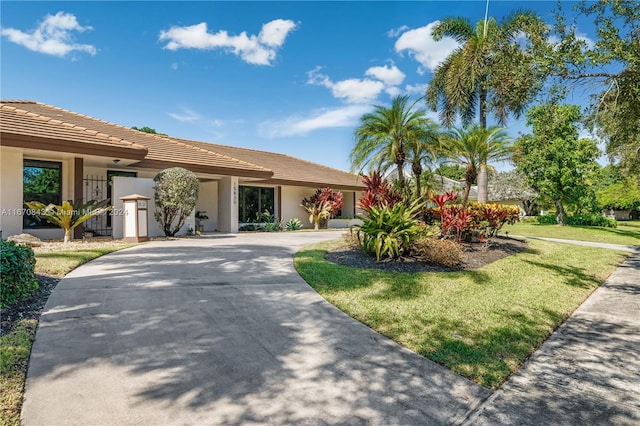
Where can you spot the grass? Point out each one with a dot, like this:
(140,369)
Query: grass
(480,324)
(627,233)
(16,344)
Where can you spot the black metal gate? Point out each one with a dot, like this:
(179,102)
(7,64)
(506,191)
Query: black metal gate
(95,188)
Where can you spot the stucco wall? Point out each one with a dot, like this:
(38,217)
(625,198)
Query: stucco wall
(10,191)
(208,201)
(291,198)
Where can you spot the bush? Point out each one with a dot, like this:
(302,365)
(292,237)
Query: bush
(293,224)
(438,252)
(17,277)
(591,220)
(322,205)
(176,194)
(547,219)
(389,230)
(271,223)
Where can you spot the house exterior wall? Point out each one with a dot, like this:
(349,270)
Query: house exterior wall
(228,204)
(291,209)
(208,202)
(10,191)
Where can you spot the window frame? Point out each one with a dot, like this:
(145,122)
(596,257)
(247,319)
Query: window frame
(42,164)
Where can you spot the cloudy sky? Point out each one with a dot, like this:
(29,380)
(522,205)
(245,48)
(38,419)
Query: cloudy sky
(289,77)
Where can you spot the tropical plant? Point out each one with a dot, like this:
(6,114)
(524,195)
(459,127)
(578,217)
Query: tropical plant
(474,147)
(17,277)
(68,216)
(323,204)
(377,192)
(270,222)
(557,163)
(175,194)
(491,71)
(381,140)
(293,224)
(423,151)
(389,231)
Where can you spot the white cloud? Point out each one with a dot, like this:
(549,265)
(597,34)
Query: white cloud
(352,90)
(389,75)
(395,32)
(258,50)
(53,36)
(297,125)
(186,115)
(421,46)
(416,89)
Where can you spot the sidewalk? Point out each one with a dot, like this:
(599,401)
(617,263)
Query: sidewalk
(622,247)
(587,372)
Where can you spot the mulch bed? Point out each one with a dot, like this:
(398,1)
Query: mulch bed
(476,256)
(29,308)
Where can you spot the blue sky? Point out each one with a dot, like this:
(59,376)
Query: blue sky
(289,77)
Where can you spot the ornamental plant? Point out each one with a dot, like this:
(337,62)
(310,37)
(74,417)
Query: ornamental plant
(175,195)
(377,192)
(322,205)
(17,277)
(68,216)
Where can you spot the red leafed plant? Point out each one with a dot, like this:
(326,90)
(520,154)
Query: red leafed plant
(454,222)
(323,204)
(377,193)
(442,199)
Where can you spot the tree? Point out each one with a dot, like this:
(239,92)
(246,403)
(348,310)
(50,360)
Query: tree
(68,216)
(512,185)
(612,64)
(492,71)
(451,171)
(383,136)
(175,194)
(556,162)
(146,129)
(474,147)
(423,151)
(616,191)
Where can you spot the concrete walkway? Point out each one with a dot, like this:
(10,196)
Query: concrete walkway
(620,247)
(222,330)
(587,372)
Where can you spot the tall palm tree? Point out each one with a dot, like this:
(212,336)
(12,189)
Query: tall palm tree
(382,138)
(492,70)
(423,151)
(474,147)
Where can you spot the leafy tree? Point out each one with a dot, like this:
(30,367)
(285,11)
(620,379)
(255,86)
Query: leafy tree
(612,63)
(68,216)
(175,194)
(451,171)
(423,151)
(474,147)
(384,135)
(492,71)
(512,185)
(556,162)
(616,191)
(146,129)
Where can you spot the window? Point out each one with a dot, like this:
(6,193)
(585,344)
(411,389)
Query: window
(41,181)
(253,201)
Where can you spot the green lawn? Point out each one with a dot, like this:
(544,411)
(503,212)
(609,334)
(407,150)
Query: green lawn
(16,344)
(627,233)
(481,324)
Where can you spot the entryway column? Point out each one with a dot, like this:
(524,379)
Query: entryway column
(228,204)
(78,190)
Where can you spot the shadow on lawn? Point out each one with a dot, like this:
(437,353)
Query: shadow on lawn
(570,275)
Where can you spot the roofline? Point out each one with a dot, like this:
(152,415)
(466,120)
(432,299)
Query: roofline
(72,147)
(196,168)
(307,184)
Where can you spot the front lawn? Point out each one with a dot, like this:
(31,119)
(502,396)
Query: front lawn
(627,233)
(480,324)
(53,261)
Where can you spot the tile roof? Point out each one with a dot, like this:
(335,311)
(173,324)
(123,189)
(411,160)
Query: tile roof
(46,123)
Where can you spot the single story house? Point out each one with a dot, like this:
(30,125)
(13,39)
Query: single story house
(50,154)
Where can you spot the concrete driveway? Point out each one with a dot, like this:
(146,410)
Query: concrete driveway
(222,330)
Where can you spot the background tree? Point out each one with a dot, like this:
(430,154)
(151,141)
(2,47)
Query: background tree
(617,191)
(146,129)
(175,194)
(422,152)
(492,71)
(383,135)
(451,171)
(512,185)
(556,162)
(611,65)
(474,147)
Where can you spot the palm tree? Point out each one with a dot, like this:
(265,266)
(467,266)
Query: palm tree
(384,135)
(474,147)
(422,151)
(491,71)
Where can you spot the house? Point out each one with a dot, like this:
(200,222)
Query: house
(50,154)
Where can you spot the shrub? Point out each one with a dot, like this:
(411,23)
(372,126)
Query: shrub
(293,224)
(17,277)
(271,223)
(322,205)
(488,219)
(389,230)
(591,220)
(351,239)
(547,219)
(176,194)
(377,192)
(437,251)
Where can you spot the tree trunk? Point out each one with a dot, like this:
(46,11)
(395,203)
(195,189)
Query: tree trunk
(560,214)
(483,184)
(67,236)
(482,101)
(418,186)
(400,167)
(465,197)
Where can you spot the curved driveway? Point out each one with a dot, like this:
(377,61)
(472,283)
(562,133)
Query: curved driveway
(222,330)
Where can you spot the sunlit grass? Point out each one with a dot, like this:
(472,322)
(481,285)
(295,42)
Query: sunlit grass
(627,233)
(480,324)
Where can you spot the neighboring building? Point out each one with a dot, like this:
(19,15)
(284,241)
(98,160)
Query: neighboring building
(50,155)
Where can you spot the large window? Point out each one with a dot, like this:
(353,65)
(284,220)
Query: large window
(41,181)
(253,201)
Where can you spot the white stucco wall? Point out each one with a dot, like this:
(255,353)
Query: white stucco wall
(291,198)
(10,191)
(208,201)
(228,204)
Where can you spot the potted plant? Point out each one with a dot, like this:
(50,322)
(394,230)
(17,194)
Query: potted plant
(200,217)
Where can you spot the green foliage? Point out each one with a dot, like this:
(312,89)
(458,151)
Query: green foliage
(68,216)
(323,204)
(175,194)
(437,251)
(389,231)
(556,162)
(271,223)
(614,191)
(146,129)
(293,224)
(17,277)
(580,220)
(547,219)
(451,171)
